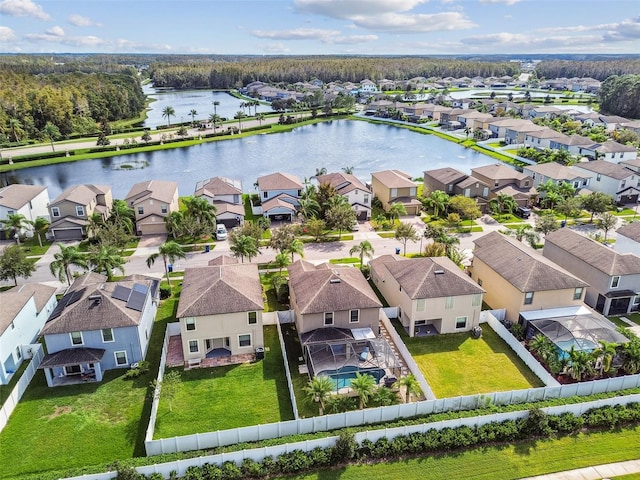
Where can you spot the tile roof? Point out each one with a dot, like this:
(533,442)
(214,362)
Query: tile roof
(218,186)
(279,181)
(605,168)
(325,288)
(394,179)
(603,258)
(161,190)
(418,278)
(220,289)
(631,230)
(522,267)
(17,196)
(14,299)
(446,175)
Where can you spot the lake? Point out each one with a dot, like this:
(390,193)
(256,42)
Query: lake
(366,147)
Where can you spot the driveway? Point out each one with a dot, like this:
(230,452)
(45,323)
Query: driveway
(152,240)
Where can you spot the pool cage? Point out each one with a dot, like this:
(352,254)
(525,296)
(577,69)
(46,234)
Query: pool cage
(333,351)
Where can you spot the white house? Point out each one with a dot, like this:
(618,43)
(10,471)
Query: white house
(557,173)
(28,200)
(356,193)
(610,151)
(612,179)
(628,239)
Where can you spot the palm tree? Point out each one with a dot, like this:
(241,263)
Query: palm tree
(52,133)
(105,259)
(260,117)
(15,223)
(551,199)
(308,207)
(67,257)
(348,170)
(363,249)
(239,116)
(243,246)
(411,384)
(542,346)
(168,112)
(40,226)
(607,350)
(435,249)
(318,390)
(581,363)
(523,232)
(406,232)
(631,355)
(215,107)
(16,127)
(319,172)
(396,210)
(169,251)
(122,214)
(214,118)
(281,261)
(193,114)
(365,387)
(437,200)
(297,246)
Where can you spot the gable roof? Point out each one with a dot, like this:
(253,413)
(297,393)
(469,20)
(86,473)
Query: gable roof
(603,258)
(218,186)
(220,289)
(283,200)
(446,175)
(611,146)
(428,277)
(279,181)
(223,260)
(498,171)
(92,303)
(555,170)
(17,196)
(323,288)
(342,182)
(605,168)
(81,194)
(631,230)
(161,190)
(522,267)
(14,300)
(394,179)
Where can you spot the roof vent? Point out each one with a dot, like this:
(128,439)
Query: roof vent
(95,298)
(334,280)
(438,272)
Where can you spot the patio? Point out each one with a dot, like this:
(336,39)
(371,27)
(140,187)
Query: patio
(175,357)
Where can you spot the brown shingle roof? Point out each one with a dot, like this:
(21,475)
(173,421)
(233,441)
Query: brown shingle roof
(605,168)
(631,230)
(160,190)
(554,170)
(220,289)
(218,186)
(15,299)
(522,267)
(498,171)
(223,260)
(418,279)
(597,255)
(323,289)
(446,175)
(279,181)
(394,179)
(17,196)
(342,182)
(81,194)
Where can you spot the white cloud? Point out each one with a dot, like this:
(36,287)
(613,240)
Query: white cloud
(504,2)
(23,8)
(86,41)
(80,21)
(6,34)
(419,23)
(273,48)
(56,31)
(296,34)
(347,9)
(351,39)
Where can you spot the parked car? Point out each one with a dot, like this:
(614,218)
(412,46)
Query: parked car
(221,232)
(523,212)
(355,227)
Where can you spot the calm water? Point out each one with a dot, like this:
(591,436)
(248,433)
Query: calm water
(333,145)
(183,101)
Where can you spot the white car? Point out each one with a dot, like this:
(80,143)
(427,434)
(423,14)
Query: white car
(221,232)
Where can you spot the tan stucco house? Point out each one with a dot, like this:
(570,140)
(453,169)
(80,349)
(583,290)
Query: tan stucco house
(152,202)
(394,186)
(70,211)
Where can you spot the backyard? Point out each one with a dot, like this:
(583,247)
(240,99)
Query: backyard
(210,399)
(457,364)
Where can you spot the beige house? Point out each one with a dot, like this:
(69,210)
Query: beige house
(152,202)
(517,278)
(504,179)
(226,195)
(432,294)
(394,186)
(70,211)
(326,296)
(220,312)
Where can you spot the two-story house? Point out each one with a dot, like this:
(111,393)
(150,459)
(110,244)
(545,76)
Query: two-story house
(618,182)
(610,151)
(350,187)
(517,278)
(280,195)
(503,179)
(24,311)
(613,277)
(542,139)
(570,143)
(28,200)
(226,195)
(99,326)
(432,294)
(557,174)
(220,312)
(152,202)
(70,211)
(628,239)
(395,186)
(454,182)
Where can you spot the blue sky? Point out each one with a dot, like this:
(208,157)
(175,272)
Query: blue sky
(299,27)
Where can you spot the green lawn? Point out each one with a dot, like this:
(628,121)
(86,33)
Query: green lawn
(211,399)
(618,322)
(523,459)
(272,305)
(306,408)
(82,425)
(457,364)
(507,218)
(634,317)
(31,246)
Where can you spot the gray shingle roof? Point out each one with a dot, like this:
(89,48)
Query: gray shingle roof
(605,168)
(160,190)
(81,194)
(418,279)
(327,289)
(394,179)
(522,267)
(446,175)
(279,181)
(631,230)
(220,289)
(342,182)
(17,196)
(14,299)
(597,255)
(555,170)
(498,171)
(218,186)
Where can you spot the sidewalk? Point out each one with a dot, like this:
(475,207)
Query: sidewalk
(593,473)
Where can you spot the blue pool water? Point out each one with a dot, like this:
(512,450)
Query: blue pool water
(343,376)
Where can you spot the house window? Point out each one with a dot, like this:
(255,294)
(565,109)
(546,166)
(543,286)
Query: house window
(476,300)
(467,192)
(244,340)
(526,183)
(80,211)
(599,177)
(622,184)
(76,338)
(412,192)
(18,353)
(615,281)
(328,318)
(163,208)
(394,192)
(366,199)
(461,322)
(449,302)
(190,323)
(577,293)
(107,335)
(636,300)
(420,304)
(55,211)
(253,318)
(12,326)
(496,183)
(528,298)
(193,346)
(354,316)
(140,210)
(121,358)
(265,194)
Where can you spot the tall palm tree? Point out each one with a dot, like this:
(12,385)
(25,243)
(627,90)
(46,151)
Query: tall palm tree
(169,252)
(406,232)
(40,227)
(105,259)
(319,390)
(193,114)
(281,261)
(214,118)
(239,116)
(260,117)
(319,172)
(437,200)
(64,259)
(363,249)
(348,170)
(168,112)
(523,232)
(581,362)
(411,385)
(15,223)
(297,246)
(122,214)
(52,132)
(308,207)
(365,387)
(16,128)
(243,246)
(215,107)
(607,351)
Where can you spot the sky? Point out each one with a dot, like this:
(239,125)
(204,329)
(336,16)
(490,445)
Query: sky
(311,27)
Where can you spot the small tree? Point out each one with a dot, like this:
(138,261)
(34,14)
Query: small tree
(243,246)
(596,202)
(14,263)
(40,227)
(318,390)
(363,249)
(546,224)
(168,387)
(169,252)
(296,247)
(282,238)
(404,233)
(607,221)
(365,387)
(341,218)
(64,259)
(315,228)
(411,385)
(146,136)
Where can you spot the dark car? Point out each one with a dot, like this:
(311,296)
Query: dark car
(523,212)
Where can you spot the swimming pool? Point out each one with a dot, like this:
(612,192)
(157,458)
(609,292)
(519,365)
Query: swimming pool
(343,376)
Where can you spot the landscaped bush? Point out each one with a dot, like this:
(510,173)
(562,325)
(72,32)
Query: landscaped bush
(165,292)
(140,369)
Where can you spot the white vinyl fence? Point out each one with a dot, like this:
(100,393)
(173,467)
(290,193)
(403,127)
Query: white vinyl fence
(171,330)
(17,392)
(292,395)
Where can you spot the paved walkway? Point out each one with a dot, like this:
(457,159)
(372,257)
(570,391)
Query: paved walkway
(598,472)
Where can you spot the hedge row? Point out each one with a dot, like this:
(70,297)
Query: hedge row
(538,424)
(38,156)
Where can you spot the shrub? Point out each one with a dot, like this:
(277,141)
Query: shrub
(165,292)
(140,369)
(345,448)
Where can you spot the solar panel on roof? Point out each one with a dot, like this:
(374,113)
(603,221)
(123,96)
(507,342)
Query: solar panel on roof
(136,301)
(121,293)
(138,287)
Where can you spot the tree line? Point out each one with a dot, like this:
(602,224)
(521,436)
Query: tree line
(598,69)
(620,95)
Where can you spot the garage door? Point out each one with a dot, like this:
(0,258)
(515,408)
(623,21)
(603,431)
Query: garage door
(152,229)
(68,234)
